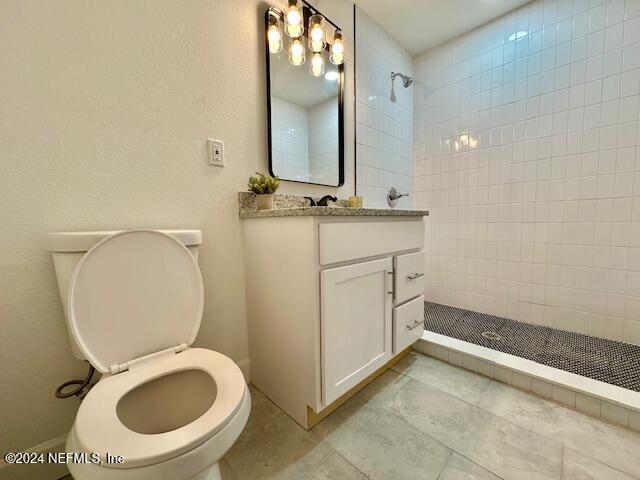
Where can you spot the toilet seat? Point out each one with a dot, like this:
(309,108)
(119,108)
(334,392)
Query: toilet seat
(98,428)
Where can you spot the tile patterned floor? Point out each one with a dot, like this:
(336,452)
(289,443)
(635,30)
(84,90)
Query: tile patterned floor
(425,419)
(616,363)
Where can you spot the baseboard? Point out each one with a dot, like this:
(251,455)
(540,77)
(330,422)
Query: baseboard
(245,366)
(44,471)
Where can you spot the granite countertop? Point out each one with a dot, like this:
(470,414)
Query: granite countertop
(294,206)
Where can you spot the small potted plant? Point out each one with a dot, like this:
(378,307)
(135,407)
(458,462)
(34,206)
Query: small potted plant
(263,186)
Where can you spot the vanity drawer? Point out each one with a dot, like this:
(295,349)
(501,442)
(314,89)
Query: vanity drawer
(408,324)
(409,276)
(341,242)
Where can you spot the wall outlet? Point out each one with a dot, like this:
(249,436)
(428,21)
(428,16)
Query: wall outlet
(216,152)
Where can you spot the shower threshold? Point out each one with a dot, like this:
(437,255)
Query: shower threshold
(597,376)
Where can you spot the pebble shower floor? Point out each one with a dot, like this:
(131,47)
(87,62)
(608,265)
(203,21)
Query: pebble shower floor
(609,361)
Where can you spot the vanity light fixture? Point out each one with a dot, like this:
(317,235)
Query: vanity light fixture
(296,52)
(337,48)
(316,33)
(274,34)
(331,75)
(294,19)
(317,64)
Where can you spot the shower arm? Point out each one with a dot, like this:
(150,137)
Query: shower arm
(406,80)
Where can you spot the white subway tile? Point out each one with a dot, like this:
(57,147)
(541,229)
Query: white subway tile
(563,395)
(634,421)
(503,374)
(588,404)
(486,369)
(541,388)
(615,414)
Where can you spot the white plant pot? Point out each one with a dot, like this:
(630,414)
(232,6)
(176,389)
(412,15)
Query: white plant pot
(264,201)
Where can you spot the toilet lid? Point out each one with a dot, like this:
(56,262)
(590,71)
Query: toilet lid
(134,293)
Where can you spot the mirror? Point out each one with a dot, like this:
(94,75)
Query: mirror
(305,113)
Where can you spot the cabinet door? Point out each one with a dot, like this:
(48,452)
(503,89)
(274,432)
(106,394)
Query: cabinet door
(356,336)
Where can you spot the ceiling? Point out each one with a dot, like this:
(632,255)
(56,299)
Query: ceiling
(419,25)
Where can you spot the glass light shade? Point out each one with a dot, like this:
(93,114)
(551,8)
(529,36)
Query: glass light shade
(316,33)
(296,52)
(293,19)
(317,65)
(337,48)
(331,75)
(274,35)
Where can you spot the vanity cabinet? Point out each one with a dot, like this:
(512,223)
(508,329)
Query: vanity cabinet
(331,303)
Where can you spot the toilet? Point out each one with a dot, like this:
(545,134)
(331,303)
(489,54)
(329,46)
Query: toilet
(133,301)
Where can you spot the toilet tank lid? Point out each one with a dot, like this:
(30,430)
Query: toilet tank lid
(83,241)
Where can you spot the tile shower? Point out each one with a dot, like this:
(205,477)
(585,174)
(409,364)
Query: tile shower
(384,128)
(526,153)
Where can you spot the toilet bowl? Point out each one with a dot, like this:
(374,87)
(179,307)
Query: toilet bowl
(161,409)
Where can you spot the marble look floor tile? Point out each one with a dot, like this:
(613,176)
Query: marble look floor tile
(580,467)
(321,464)
(453,380)
(318,464)
(425,419)
(607,443)
(382,389)
(381,445)
(499,446)
(273,446)
(460,468)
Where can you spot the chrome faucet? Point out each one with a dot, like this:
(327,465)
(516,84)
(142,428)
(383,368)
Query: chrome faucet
(393,196)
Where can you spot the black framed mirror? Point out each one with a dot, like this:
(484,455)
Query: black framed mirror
(305,108)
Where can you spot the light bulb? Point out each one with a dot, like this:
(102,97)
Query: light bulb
(317,65)
(294,27)
(337,58)
(316,33)
(296,52)
(316,46)
(274,35)
(331,75)
(337,49)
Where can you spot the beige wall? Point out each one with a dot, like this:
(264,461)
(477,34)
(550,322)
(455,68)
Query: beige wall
(105,111)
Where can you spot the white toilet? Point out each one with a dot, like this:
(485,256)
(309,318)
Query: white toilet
(133,302)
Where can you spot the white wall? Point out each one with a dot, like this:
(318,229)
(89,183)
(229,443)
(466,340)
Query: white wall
(106,108)
(383,128)
(526,154)
(290,140)
(324,142)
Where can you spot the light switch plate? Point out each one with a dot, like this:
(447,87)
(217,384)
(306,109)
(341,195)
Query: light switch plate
(215,149)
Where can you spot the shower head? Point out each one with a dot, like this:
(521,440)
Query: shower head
(406,80)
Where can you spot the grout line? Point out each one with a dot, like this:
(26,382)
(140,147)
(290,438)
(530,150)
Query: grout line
(469,403)
(554,404)
(380,407)
(451,452)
